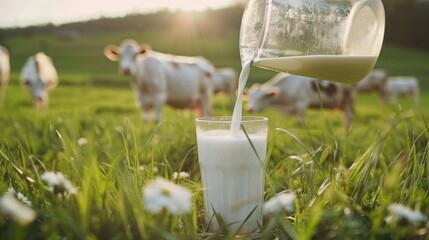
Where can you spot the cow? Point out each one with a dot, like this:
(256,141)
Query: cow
(375,81)
(225,81)
(407,86)
(159,79)
(39,76)
(292,94)
(4,71)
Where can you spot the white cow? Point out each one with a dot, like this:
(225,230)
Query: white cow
(39,76)
(292,94)
(4,71)
(403,87)
(181,82)
(375,81)
(225,80)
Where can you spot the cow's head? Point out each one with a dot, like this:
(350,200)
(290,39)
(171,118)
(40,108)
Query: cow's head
(261,97)
(126,54)
(4,69)
(39,76)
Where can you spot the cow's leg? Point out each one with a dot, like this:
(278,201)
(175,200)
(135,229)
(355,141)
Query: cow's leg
(393,98)
(231,91)
(384,91)
(293,110)
(144,105)
(160,100)
(205,98)
(348,114)
(2,91)
(157,114)
(348,106)
(416,96)
(300,117)
(300,109)
(203,107)
(384,96)
(287,110)
(145,115)
(199,108)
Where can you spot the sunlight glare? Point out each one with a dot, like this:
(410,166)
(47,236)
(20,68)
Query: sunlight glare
(191,5)
(23,13)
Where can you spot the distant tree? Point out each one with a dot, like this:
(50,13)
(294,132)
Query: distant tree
(406,22)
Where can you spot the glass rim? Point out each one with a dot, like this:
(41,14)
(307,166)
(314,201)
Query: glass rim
(228,119)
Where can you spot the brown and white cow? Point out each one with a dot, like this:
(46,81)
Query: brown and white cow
(403,86)
(4,71)
(292,94)
(375,81)
(181,82)
(225,81)
(39,76)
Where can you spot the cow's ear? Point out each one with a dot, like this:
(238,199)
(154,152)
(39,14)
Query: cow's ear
(111,52)
(51,84)
(26,82)
(245,91)
(272,91)
(246,94)
(254,87)
(144,48)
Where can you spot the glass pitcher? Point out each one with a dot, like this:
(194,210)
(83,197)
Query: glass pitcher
(336,40)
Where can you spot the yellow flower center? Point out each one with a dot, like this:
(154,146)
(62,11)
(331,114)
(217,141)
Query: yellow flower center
(166,192)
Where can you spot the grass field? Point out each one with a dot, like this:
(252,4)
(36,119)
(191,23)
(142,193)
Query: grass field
(345,183)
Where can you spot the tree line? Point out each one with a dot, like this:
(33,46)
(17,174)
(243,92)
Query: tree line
(406,23)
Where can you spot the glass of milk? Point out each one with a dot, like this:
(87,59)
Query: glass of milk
(336,40)
(232,172)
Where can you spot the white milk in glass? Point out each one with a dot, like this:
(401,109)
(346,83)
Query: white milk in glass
(337,68)
(233,178)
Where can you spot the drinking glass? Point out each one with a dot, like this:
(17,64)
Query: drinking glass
(232,172)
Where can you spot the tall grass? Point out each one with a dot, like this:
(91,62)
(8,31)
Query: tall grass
(344,182)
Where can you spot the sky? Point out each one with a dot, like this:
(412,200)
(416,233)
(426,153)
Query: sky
(21,13)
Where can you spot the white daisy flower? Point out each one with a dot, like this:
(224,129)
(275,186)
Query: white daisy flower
(57,183)
(181,175)
(144,168)
(19,196)
(82,141)
(13,208)
(280,202)
(402,211)
(161,193)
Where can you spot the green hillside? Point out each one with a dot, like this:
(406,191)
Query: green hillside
(81,61)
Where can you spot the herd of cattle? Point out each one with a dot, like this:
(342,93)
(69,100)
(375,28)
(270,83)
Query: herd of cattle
(190,82)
